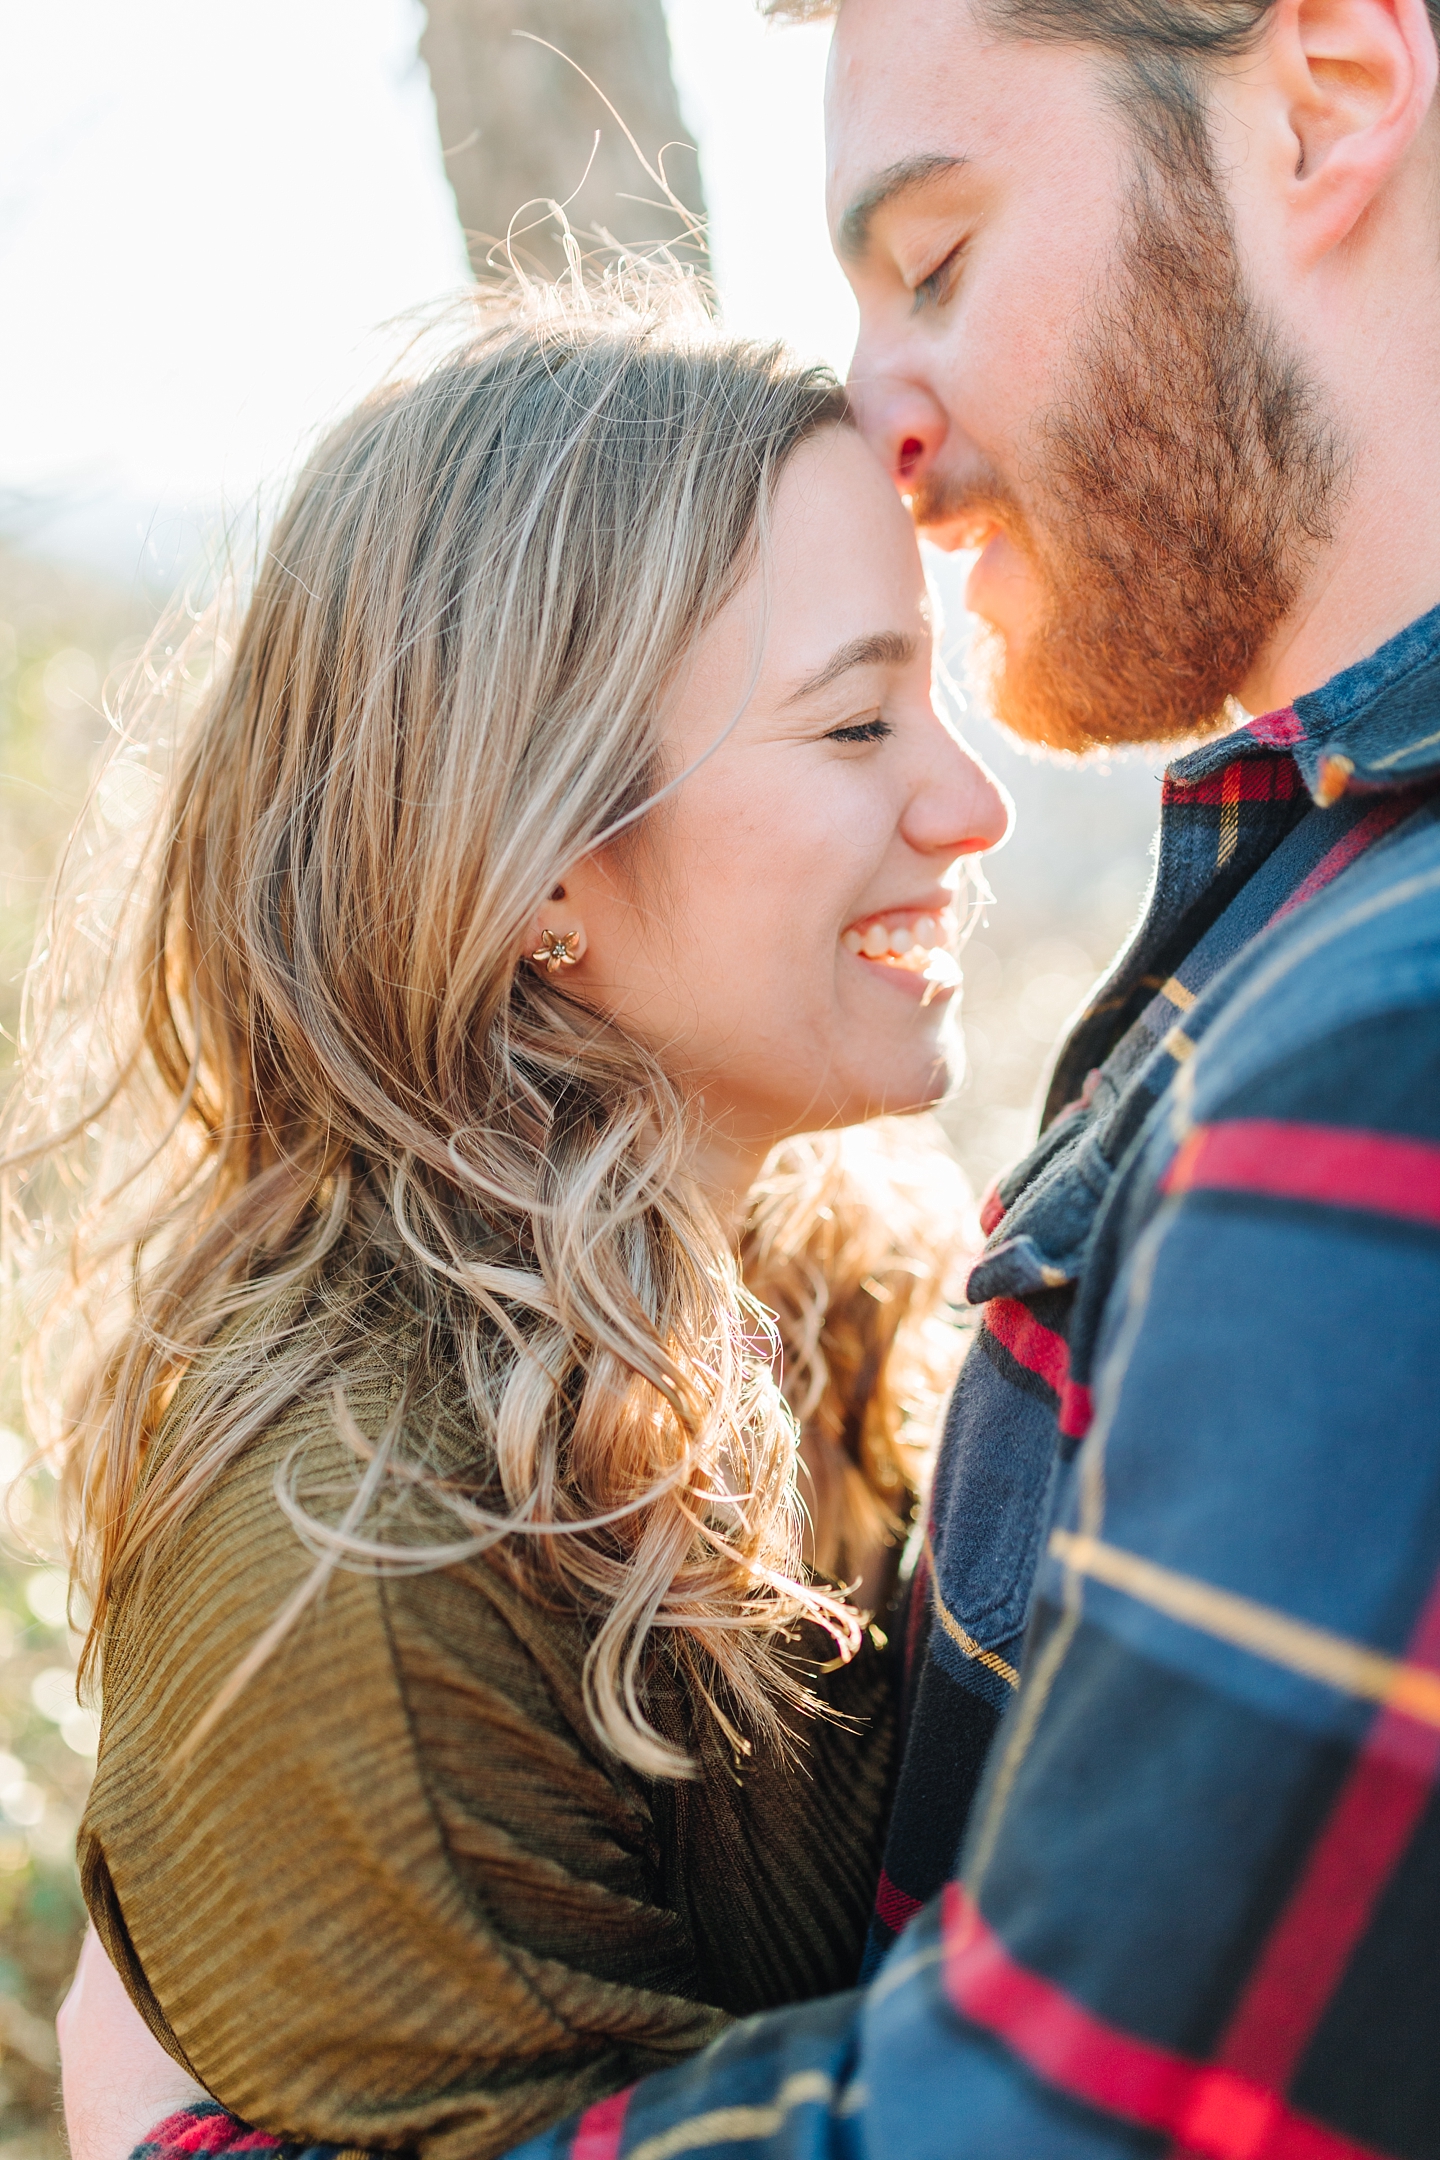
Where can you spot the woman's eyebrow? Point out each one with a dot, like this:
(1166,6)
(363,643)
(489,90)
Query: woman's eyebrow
(882,648)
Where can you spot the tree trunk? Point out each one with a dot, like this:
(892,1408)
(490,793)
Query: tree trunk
(518,125)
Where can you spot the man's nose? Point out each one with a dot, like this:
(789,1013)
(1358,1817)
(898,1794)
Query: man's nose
(902,423)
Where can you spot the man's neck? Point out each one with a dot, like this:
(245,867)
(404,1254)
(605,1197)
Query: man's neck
(1355,602)
(1381,568)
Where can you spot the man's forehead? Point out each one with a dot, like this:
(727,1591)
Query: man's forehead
(909,82)
(900,70)
(918,89)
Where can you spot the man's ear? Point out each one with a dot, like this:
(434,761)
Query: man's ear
(1356,79)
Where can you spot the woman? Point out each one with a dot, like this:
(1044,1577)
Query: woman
(569,829)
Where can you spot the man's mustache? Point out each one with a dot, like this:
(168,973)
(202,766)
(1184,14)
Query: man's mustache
(963,510)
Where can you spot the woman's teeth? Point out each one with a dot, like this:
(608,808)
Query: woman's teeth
(917,943)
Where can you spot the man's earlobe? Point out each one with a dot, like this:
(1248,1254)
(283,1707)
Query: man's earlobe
(1358,77)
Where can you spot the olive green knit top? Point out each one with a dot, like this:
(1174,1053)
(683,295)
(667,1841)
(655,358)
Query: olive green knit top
(401,1894)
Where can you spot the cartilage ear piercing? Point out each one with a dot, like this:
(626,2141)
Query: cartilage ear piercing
(558,950)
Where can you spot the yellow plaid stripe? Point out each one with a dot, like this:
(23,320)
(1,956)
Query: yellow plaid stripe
(1317,1653)
(990,1659)
(738,2125)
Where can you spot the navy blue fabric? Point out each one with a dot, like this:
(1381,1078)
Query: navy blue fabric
(1381,713)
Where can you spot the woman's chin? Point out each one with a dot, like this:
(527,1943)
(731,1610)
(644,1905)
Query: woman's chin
(906,1091)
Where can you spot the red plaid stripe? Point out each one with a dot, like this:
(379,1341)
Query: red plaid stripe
(1327,1164)
(894,1906)
(1279,730)
(601,2128)
(199,2131)
(1204,2108)
(1039,1349)
(1248,779)
(1371,828)
(1329,1909)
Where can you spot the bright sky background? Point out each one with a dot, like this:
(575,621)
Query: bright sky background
(207,210)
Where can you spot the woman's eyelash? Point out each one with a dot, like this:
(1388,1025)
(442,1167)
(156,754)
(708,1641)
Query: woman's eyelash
(933,289)
(861,731)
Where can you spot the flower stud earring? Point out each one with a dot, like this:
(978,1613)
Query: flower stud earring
(556,950)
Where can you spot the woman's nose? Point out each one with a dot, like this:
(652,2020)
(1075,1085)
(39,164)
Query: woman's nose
(902,423)
(959,807)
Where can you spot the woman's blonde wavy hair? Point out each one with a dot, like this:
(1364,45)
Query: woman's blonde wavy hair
(340,1104)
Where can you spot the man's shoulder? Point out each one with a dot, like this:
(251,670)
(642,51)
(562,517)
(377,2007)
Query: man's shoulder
(1298,1142)
(1360,961)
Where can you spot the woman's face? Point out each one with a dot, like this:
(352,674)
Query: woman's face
(768,937)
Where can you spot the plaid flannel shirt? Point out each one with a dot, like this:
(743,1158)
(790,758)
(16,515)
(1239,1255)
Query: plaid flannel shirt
(1164,1866)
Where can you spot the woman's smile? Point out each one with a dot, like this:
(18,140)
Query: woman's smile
(914,944)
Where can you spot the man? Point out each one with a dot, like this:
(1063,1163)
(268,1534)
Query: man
(1150,312)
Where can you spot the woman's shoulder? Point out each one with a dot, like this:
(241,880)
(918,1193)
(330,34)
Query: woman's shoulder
(227,1553)
(282,1594)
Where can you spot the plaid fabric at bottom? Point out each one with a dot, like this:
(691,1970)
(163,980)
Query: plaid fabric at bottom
(206,2131)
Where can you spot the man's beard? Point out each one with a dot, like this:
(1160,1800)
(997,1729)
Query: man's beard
(1179,492)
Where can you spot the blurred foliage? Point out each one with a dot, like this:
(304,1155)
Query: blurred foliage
(47,1748)
(61,636)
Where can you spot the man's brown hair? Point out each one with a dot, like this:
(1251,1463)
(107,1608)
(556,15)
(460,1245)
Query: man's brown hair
(1182,29)
(1159,43)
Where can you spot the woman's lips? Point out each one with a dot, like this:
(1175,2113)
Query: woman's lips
(911,940)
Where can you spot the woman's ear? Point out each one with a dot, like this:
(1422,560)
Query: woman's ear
(555,941)
(1354,80)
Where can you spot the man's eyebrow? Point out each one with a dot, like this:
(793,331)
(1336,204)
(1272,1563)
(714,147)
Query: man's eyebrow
(853,237)
(883,648)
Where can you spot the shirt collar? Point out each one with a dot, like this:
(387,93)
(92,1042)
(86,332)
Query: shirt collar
(1374,726)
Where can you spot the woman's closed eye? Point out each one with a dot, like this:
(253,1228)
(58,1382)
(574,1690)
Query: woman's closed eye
(860,731)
